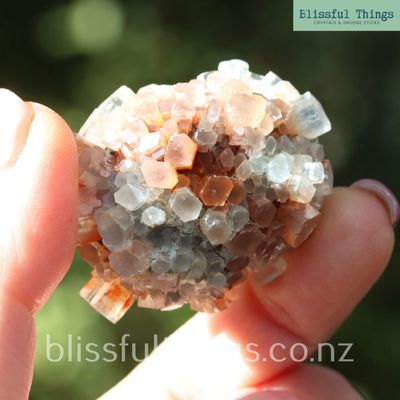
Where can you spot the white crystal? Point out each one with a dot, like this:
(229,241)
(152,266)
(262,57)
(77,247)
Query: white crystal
(131,196)
(183,261)
(153,216)
(300,189)
(215,227)
(307,117)
(185,204)
(298,162)
(244,170)
(133,176)
(127,136)
(254,141)
(317,151)
(270,145)
(205,140)
(148,143)
(234,69)
(125,165)
(107,115)
(122,95)
(274,112)
(285,91)
(120,216)
(211,116)
(314,171)
(161,264)
(126,263)
(285,144)
(259,164)
(273,87)
(239,216)
(280,192)
(289,158)
(271,78)
(218,281)
(110,230)
(198,267)
(278,168)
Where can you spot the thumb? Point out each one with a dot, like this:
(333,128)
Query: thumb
(38,205)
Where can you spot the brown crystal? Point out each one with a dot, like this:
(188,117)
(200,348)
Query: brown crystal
(216,190)
(93,253)
(299,222)
(238,193)
(227,158)
(262,210)
(87,230)
(183,181)
(246,241)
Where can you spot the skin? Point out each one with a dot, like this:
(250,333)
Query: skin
(325,280)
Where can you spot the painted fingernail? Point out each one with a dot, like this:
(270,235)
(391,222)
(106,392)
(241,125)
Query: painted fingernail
(259,394)
(384,194)
(15,118)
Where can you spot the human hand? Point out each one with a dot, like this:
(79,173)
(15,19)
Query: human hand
(206,357)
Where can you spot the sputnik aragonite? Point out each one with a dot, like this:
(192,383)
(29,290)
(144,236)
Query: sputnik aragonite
(186,189)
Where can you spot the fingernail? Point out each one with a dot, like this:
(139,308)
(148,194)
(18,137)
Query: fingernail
(384,194)
(260,394)
(15,118)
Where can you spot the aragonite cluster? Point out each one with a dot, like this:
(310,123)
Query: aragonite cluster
(186,189)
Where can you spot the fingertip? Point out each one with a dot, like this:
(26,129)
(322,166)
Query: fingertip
(361,218)
(331,272)
(15,118)
(43,207)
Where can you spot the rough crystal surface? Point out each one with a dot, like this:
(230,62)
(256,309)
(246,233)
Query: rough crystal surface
(159,174)
(131,197)
(153,216)
(307,117)
(186,189)
(185,204)
(180,151)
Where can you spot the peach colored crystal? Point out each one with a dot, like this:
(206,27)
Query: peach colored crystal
(244,110)
(180,151)
(159,174)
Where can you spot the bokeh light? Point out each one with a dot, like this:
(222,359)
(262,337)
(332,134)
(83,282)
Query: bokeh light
(81,27)
(95,25)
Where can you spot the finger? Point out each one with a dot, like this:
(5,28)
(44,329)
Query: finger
(309,382)
(325,279)
(38,174)
(39,210)
(331,272)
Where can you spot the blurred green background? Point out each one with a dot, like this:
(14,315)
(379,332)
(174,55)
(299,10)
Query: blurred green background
(70,55)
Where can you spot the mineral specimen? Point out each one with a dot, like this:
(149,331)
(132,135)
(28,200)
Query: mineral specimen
(186,189)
